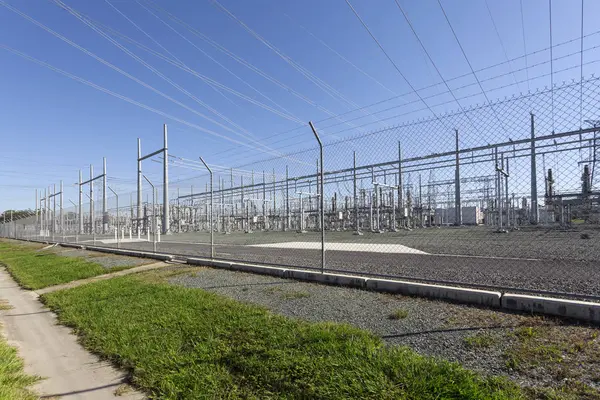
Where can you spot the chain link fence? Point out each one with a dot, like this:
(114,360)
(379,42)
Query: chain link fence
(504,195)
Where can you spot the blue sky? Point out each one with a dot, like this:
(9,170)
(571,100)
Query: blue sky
(53,126)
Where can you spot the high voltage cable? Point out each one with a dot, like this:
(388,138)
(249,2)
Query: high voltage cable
(127,99)
(551,62)
(334,51)
(487,5)
(245,63)
(581,73)
(325,134)
(528,80)
(213,59)
(431,60)
(524,45)
(410,112)
(388,57)
(103,61)
(154,70)
(469,63)
(328,89)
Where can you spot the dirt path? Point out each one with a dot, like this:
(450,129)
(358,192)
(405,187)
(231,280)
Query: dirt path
(52,352)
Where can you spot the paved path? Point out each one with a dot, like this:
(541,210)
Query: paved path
(52,352)
(80,282)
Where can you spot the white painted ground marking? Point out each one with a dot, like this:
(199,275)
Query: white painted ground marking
(356,247)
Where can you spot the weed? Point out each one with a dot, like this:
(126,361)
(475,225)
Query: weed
(4,305)
(398,314)
(295,295)
(480,340)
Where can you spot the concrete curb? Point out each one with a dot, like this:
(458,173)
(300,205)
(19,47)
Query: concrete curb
(456,294)
(581,310)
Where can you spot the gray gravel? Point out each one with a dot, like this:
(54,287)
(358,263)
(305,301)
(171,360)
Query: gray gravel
(430,327)
(106,260)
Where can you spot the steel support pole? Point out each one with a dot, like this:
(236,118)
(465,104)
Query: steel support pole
(117,224)
(287,198)
(356,218)
(104,214)
(212,241)
(139,188)
(457,202)
(80,208)
(36,210)
(400,186)
(534,218)
(53,211)
(166,217)
(62,221)
(92,229)
(322,196)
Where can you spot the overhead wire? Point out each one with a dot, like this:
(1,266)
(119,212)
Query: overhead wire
(328,89)
(469,63)
(524,43)
(390,59)
(144,63)
(129,100)
(432,62)
(341,56)
(112,66)
(276,104)
(487,5)
(551,62)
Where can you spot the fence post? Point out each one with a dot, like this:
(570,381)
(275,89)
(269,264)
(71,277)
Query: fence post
(212,242)
(322,196)
(457,202)
(534,197)
(166,217)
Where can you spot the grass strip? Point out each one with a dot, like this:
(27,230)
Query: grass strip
(13,381)
(36,270)
(182,343)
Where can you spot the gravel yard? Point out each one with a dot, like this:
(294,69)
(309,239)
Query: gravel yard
(106,260)
(480,339)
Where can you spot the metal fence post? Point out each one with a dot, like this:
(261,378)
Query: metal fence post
(534,197)
(139,188)
(322,197)
(154,224)
(212,241)
(80,230)
(457,202)
(104,213)
(166,217)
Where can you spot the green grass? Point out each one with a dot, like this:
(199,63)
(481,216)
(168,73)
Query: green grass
(182,343)
(482,340)
(398,314)
(36,270)
(13,381)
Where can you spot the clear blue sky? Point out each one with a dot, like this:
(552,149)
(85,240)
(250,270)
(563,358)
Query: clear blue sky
(52,126)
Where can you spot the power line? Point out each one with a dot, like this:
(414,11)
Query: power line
(487,5)
(431,59)
(469,63)
(524,45)
(551,62)
(388,56)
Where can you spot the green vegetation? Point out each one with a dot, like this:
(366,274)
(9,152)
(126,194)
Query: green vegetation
(13,382)
(182,343)
(398,314)
(480,340)
(35,270)
(4,305)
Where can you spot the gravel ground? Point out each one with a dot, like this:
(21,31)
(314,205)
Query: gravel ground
(430,327)
(569,276)
(106,260)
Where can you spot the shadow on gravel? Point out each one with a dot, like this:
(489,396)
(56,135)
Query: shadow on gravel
(448,330)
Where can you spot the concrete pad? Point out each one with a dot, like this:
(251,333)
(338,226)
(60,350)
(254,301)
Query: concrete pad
(329,279)
(462,295)
(581,310)
(51,351)
(356,247)
(134,270)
